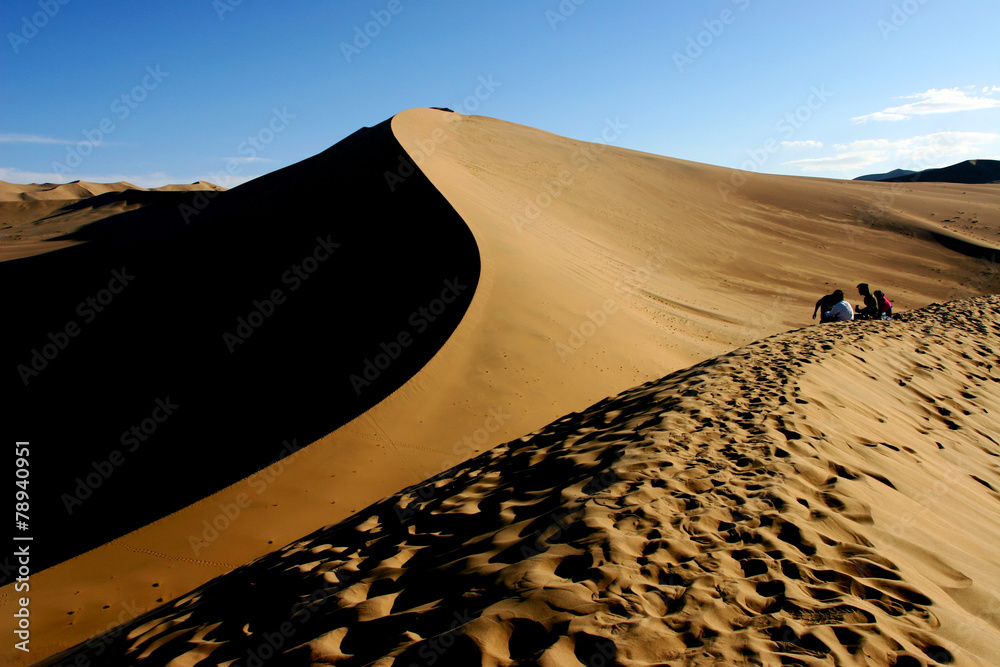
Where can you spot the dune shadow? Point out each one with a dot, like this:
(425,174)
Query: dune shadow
(158,215)
(965,247)
(150,370)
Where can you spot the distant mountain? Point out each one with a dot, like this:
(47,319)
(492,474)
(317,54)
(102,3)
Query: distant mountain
(969,171)
(886,176)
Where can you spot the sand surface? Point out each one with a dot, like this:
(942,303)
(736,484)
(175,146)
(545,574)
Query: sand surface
(823,496)
(602,268)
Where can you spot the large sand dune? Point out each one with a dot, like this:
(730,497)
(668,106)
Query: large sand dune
(601,268)
(824,496)
(162,369)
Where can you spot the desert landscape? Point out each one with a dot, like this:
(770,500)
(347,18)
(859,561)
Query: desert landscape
(458,391)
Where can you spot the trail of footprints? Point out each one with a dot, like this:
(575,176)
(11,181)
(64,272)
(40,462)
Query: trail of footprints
(797,590)
(674,524)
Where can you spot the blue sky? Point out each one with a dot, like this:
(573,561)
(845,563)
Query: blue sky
(155,92)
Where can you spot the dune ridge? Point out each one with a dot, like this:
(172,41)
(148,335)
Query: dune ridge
(823,496)
(84,189)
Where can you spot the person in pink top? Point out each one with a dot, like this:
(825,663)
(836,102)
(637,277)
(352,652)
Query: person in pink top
(884,305)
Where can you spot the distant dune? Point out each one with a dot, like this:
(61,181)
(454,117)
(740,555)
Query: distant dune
(83,189)
(490,278)
(38,218)
(969,171)
(824,496)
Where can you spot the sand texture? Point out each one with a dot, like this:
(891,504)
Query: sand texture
(824,496)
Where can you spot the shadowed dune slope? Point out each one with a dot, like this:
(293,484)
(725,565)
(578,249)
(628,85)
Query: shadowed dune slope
(601,268)
(150,372)
(824,496)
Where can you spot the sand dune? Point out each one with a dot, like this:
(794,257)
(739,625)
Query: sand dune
(824,496)
(60,191)
(39,218)
(180,364)
(84,189)
(635,266)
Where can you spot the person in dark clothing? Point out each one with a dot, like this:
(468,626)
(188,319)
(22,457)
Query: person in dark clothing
(870,311)
(827,302)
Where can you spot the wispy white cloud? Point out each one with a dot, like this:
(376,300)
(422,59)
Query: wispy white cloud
(921,152)
(247,160)
(935,101)
(808,143)
(31,139)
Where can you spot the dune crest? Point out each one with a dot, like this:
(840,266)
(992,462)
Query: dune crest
(83,189)
(827,494)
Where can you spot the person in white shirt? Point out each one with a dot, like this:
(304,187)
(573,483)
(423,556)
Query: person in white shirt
(841,312)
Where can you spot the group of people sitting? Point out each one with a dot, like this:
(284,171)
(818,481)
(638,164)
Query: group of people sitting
(835,308)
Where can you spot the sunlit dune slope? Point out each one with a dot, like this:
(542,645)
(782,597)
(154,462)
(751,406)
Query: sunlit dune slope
(153,371)
(824,496)
(605,267)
